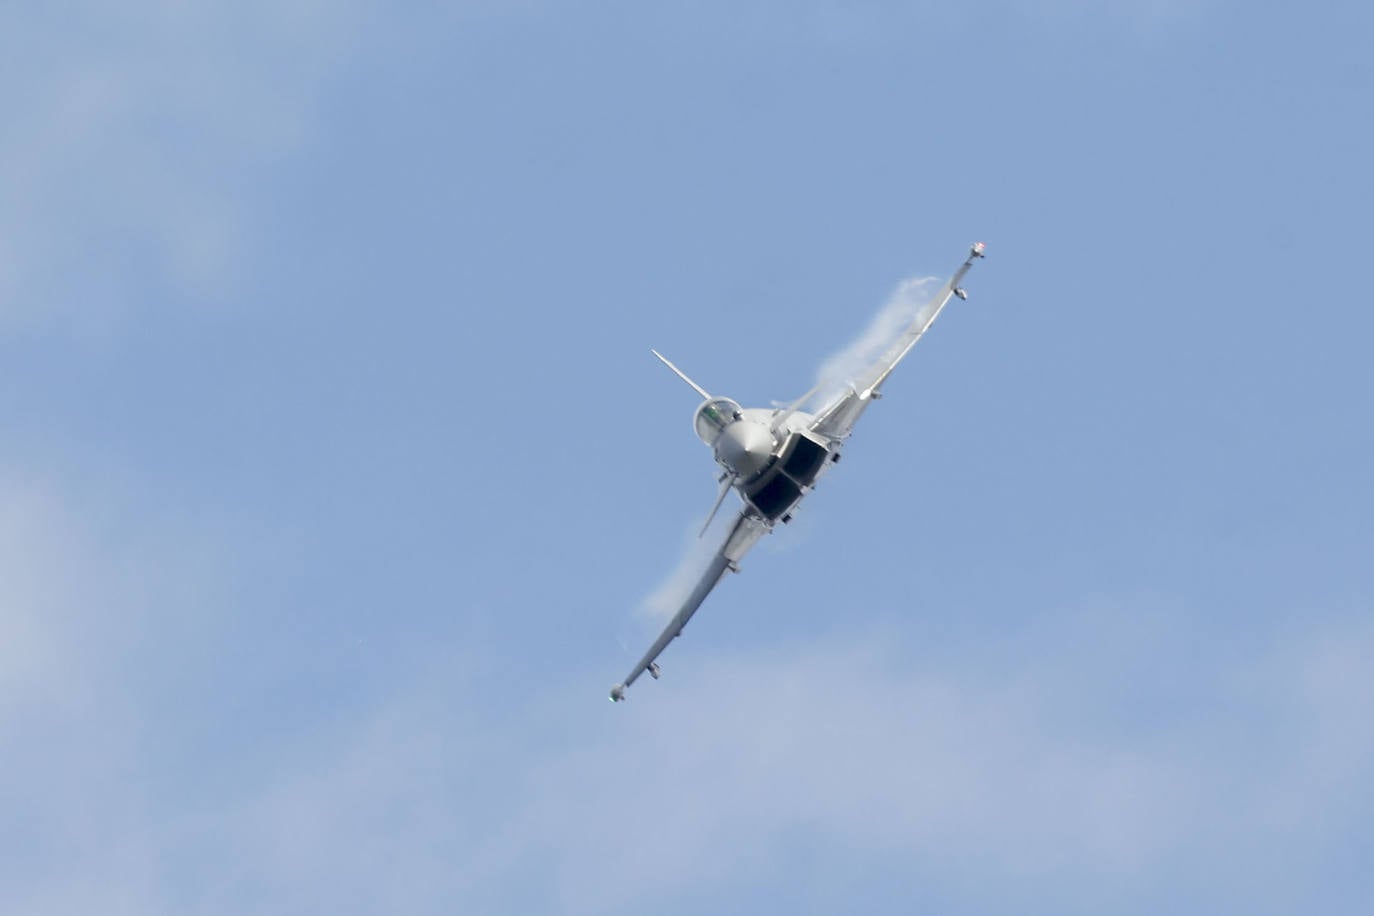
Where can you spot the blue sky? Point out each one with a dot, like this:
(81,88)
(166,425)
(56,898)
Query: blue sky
(337,471)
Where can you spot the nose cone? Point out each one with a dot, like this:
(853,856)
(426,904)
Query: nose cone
(744,447)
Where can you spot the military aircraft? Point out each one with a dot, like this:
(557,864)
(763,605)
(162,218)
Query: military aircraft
(773,457)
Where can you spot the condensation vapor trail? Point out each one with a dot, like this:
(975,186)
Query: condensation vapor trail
(665,600)
(838,370)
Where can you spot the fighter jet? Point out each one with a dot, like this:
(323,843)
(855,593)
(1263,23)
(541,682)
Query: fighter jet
(773,457)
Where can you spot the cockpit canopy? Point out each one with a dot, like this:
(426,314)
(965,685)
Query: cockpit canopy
(713,416)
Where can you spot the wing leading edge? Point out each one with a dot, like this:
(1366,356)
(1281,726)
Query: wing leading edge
(745,532)
(837,420)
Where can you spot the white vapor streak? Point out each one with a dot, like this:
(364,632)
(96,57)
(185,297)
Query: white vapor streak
(838,370)
(664,601)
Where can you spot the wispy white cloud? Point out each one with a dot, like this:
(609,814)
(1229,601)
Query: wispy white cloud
(133,141)
(973,774)
(1006,763)
(67,733)
(32,540)
(1074,751)
(95,600)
